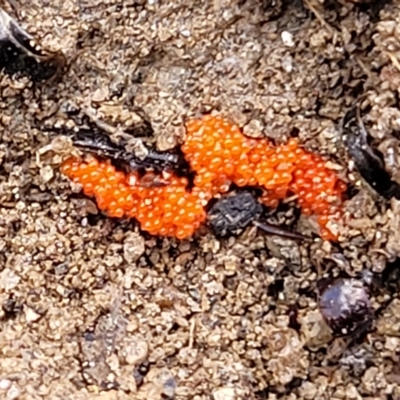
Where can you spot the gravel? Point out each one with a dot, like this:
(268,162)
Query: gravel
(93,308)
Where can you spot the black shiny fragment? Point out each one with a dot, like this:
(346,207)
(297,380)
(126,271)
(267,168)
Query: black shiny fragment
(346,307)
(368,161)
(19,55)
(98,144)
(233,213)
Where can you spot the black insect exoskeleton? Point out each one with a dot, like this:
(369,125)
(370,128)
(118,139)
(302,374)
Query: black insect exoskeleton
(368,161)
(234,212)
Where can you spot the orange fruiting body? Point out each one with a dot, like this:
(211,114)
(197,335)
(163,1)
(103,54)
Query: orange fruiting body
(220,155)
(166,210)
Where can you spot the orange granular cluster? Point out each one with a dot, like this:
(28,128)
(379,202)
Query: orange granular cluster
(164,208)
(221,154)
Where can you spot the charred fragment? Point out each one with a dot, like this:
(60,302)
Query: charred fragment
(346,307)
(233,213)
(368,161)
(159,161)
(98,139)
(19,54)
(101,145)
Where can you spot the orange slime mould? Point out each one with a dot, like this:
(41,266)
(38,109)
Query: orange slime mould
(220,155)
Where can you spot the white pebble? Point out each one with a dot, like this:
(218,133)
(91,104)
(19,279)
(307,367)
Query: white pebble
(5,384)
(185,33)
(287,64)
(8,279)
(287,39)
(224,394)
(30,315)
(13,393)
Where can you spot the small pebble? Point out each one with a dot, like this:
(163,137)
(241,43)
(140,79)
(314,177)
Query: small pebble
(136,352)
(5,384)
(287,39)
(133,247)
(13,393)
(30,315)
(224,394)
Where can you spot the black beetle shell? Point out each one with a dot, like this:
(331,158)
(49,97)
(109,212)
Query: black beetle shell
(233,213)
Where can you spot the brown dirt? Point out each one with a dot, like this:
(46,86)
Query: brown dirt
(91,308)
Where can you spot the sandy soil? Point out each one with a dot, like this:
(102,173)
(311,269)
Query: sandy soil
(92,308)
